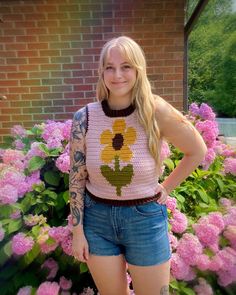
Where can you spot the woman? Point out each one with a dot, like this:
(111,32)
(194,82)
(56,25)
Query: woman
(117,205)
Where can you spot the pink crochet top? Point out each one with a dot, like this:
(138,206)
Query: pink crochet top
(118,160)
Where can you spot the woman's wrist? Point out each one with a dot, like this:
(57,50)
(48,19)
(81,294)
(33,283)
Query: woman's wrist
(164,188)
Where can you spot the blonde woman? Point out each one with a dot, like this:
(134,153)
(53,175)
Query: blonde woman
(117,204)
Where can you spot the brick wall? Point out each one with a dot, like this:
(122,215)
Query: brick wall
(49,51)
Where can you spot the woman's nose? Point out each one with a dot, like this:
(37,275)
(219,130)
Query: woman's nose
(117,73)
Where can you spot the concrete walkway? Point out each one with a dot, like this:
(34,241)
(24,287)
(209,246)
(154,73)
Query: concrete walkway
(231,141)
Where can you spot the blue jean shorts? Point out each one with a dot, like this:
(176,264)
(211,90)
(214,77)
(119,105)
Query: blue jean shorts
(138,232)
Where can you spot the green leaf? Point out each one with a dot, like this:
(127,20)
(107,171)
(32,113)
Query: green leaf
(14,225)
(83,267)
(169,163)
(26,203)
(180,198)
(66,196)
(35,230)
(31,255)
(7,249)
(188,291)
(203,195)
(52,177)
(36,163)
(44,148)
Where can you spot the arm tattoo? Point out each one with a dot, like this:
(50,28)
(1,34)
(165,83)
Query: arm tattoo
(164,290)
(78,172)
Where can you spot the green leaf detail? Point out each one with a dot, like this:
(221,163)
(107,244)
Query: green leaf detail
(52,177)
(36,163)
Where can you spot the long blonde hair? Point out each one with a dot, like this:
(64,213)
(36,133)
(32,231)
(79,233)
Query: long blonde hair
(142,96)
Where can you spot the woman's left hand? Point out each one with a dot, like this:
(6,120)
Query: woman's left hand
(163,194)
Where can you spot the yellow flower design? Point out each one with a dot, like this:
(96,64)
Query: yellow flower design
(117,142)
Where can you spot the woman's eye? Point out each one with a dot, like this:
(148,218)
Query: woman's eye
(108,68)
(127,66)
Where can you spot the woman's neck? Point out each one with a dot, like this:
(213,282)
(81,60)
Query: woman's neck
(118,103)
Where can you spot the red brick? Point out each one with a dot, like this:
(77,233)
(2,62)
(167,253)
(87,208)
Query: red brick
(82,87)
(23,8)
(19,75)
(59,45)
(73,94)
(13,17)
(58,31)
(73,81)
(25,24)
(6,83)
(49,67)
(8,68)
(51,81)
(41,103)
(71,37)
(30,82)
(67,8)
(49,52)
(16,61)
(61,88)
(61,74)
(27,53)
(48,38)
(60,59)
(26,38)
(36,31)
(63,116)
(43,117)
(82,73)
(16,46)
(19,89)
(29,68)
(32,110)
(53,109)
(21,117)
(71,66)
(14,32)
(46,8)
(35,16)
(39,89)
(57,16)
(38,45)
(11,111)
(18,104)
(31,96)
(6,39)
(62,102)
(38,74)
(8,53)
(47,23)
(52,96)
(38,60)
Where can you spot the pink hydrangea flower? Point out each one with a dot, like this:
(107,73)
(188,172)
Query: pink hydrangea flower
(225,202)
(87,291)
(230,166)
(48,288)
(179,222)
(179,269)
(25,290)
(52,266)
(16,214)
(63,163)
(66,129)
(173,241)
(230,234)
(18,144)
(209,131)
(230,218)
(65,284)
(206,112)
(66,245)
(47,247)
(165,150)
(14,158)
(35,151)
(53,134)
(194,109)
(203,288)
(209,158)
(202,262)
(215,263)
(18,130)
(208,234)
(8,194)
(189,248)
(216,218)
(59,233)
(171,203)
(21,244)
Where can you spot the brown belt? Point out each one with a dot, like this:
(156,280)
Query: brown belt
(123,202)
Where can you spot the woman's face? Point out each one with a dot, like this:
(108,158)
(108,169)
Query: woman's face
(119,75)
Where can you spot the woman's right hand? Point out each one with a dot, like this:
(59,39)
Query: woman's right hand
(80,248)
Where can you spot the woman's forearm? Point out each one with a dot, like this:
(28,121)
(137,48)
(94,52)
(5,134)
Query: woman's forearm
(185,167)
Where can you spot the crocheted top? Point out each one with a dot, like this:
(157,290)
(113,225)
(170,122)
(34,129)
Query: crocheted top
(118,160)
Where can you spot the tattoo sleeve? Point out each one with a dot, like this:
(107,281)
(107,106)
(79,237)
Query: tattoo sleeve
(78,172)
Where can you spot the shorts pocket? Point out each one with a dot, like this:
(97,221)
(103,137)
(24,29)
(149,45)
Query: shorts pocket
(151,209)
(88,202)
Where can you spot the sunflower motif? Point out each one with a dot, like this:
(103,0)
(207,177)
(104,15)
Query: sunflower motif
(117,149)
(117,142)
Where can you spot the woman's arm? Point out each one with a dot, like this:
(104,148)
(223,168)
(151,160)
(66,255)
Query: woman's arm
(177,130)
(78,172)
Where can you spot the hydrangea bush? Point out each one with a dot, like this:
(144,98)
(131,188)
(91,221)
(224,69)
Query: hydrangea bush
(35,221)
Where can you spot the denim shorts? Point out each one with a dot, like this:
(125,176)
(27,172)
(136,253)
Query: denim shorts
(138,232)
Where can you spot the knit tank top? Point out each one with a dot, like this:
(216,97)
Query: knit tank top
(118,161)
